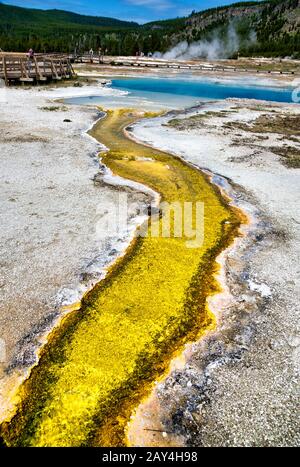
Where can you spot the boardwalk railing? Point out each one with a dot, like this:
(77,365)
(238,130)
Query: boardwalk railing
(139,62)
(19,67)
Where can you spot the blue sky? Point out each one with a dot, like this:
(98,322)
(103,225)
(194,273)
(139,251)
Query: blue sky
(132,10)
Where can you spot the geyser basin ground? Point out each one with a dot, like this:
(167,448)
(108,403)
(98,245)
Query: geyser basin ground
(182,92)
(268,418)
(240,384)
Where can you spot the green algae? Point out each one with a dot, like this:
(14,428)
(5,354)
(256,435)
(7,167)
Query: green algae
(105,357)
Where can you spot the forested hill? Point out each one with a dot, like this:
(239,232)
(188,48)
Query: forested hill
(274,23)
(53,30)
(29,17)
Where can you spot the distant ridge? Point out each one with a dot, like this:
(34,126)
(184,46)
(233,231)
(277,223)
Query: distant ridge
(15,15)
(274,23)
(55,30)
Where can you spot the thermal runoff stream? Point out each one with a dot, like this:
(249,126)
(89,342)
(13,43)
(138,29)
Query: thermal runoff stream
(105,357)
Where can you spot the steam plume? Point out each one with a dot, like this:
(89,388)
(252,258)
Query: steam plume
(213,49)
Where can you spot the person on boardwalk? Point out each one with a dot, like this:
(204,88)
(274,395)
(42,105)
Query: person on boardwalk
(91,55)
(29,64)
(101,55)
(30,54)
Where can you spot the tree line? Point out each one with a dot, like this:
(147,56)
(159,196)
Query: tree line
(21,29)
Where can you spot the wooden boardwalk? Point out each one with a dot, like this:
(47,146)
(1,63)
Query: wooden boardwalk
(169,64)
(16,67)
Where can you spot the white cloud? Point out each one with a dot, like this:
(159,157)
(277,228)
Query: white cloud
(156,4)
